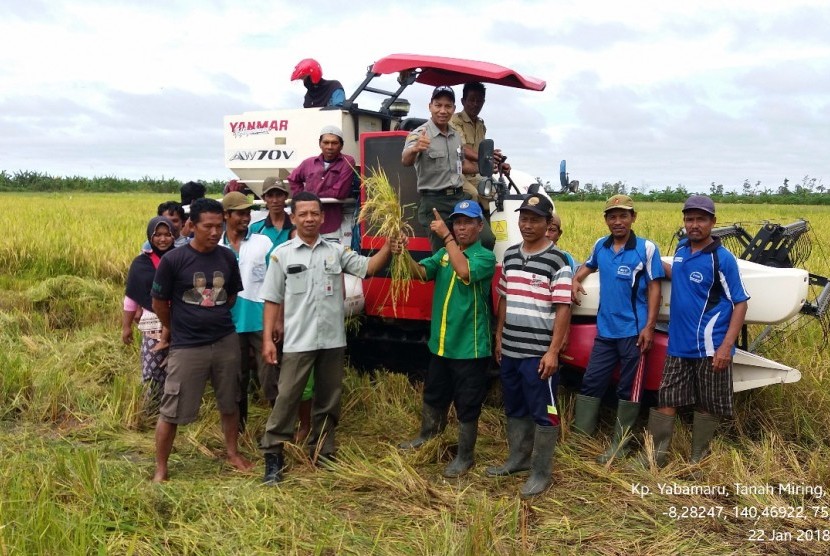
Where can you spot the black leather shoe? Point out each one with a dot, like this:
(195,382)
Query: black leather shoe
(274,465)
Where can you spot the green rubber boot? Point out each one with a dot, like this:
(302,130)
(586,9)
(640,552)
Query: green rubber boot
(661,428)
(586,413)
(703,429)
(519,446)
(464,459)
(433,422)
(541,462)
(627,413)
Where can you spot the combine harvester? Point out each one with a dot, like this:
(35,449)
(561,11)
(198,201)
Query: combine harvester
(271,143)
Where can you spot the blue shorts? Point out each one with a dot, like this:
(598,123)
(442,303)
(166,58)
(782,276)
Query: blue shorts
(525,394)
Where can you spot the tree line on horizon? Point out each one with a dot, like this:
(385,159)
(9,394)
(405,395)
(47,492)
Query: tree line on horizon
(809,191)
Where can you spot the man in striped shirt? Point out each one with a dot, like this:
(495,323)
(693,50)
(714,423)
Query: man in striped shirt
(533,318)
(460,333)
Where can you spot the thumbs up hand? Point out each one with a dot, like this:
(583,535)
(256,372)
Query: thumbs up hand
(423,141)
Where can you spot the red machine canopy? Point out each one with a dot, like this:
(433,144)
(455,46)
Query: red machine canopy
(438,70)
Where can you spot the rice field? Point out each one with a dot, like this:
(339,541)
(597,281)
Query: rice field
(77,452)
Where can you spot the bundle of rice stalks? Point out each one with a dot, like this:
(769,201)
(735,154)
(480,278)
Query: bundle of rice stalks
(383,213)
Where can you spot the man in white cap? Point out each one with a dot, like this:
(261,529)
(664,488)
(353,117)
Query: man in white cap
(331,174)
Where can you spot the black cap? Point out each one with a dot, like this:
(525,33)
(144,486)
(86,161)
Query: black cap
(538,204)
(443,90)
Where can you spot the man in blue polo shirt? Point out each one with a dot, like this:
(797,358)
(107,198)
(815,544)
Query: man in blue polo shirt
(708,306)
(630,270)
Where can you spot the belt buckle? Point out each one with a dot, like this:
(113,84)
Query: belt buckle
(449,191)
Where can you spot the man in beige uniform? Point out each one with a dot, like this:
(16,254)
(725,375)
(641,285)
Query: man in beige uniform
(473,131)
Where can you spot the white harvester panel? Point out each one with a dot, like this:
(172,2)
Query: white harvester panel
(274,142)
(777,294)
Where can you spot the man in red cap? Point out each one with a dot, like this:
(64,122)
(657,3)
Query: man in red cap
(319,92)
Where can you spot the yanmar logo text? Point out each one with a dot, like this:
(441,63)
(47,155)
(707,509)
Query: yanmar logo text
(243,128)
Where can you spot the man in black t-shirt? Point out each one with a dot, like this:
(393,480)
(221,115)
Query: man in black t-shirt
(193,292)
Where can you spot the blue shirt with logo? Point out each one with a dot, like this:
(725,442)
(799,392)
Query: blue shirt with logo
(623,284)
(705,286)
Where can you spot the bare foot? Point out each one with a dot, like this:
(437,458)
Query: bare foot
(160,475)
(240,463)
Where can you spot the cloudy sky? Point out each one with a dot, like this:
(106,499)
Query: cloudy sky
(654,94)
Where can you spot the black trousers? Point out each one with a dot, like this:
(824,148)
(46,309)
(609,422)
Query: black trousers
(463,382)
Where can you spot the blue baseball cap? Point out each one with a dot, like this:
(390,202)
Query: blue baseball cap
(468,208)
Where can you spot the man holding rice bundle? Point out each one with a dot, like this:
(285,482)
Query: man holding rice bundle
(460,336)
(304,282)
(436,151)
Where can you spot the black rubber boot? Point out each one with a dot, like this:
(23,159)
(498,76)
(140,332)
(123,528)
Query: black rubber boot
(274,466)
(541,462)
(703,429)
(627,413)
(464,459)
(433,422)
(586,413)
(519,445)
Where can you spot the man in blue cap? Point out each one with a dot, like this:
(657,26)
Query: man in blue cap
(460,337)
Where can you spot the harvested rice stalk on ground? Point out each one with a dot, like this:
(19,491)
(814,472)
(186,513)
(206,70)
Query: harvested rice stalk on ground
(383,213)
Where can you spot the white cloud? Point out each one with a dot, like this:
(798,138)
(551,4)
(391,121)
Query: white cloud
(654,93)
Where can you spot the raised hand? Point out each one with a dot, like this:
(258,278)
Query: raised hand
(438,226)
(423,142)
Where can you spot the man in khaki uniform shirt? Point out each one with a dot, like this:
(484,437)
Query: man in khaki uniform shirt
(473,131)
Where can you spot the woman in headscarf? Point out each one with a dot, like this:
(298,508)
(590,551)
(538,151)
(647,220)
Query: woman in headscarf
(154,339)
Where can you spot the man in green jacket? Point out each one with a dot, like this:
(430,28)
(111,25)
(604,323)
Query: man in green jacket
(460,335)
